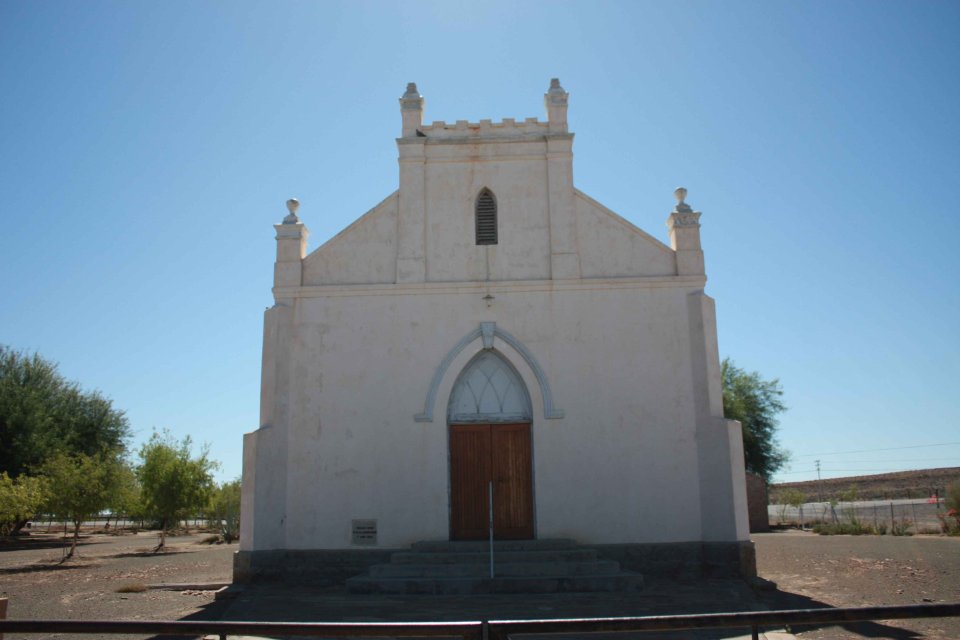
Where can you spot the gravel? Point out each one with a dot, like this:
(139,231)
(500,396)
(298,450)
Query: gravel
(810,571)
(86,587)
(856,571)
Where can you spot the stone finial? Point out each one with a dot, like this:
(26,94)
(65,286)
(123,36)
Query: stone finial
(292,205)
(411,110)
(680,193)
(684,226)
(411,99)
(555,100)
(555,94)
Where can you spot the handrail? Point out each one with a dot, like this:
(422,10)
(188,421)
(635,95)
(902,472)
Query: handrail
(502,629)
(492,629)
(490,484)
(470,630)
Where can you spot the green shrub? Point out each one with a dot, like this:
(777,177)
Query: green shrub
(855,528)
(901,527)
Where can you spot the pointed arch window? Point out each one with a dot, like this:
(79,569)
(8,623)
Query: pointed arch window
(489,390)
(486,215)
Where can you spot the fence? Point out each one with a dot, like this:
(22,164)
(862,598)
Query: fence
(919,515)
(50,524)
(487,629)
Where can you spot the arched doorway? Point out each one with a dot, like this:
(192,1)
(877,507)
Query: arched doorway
(489,417)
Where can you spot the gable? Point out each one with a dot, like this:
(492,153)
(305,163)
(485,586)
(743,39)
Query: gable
(363,253)
(612,247)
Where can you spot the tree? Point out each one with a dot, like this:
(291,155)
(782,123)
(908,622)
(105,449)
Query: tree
(755,403)
(81,486)
(29,389)
(42,414)
(224,510)
(952,500)
(173,484)
(20,498)
(126,499)
(790,497)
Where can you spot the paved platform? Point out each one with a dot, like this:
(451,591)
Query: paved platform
(276,602)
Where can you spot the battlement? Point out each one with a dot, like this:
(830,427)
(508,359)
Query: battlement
(506,128)
(411,110)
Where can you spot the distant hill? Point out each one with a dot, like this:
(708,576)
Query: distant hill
(884,486)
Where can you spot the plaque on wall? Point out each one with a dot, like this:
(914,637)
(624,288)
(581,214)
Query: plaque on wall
(364,533)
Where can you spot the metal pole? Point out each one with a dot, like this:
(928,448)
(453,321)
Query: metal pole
(490,485)
(819,482)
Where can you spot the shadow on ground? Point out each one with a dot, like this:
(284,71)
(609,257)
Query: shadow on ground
(44,566)
(286,603)
(213,611)
(147,553)
(786,600)
(26,543)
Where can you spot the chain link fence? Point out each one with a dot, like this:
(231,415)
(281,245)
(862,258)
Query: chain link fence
(903,515)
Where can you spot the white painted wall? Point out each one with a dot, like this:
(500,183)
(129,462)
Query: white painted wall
(641,454)
(622,465)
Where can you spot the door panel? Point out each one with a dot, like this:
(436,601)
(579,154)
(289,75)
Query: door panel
(482,453)
(469,474)
(512,481)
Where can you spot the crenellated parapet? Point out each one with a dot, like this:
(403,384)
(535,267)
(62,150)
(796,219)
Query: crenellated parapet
(506,128)
(413,129)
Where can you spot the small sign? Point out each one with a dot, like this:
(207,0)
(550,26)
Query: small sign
(364,533)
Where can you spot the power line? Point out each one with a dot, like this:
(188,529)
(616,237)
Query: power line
(858,470)
(912,446)
(896,460)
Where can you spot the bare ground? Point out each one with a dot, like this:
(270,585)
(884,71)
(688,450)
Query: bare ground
(855,571)
(811,571)
(38,585)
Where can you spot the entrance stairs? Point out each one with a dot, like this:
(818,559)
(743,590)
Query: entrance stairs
(520,566)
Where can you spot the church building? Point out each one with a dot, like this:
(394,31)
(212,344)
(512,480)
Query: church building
(489,351)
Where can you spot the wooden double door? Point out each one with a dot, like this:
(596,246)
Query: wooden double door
(485,453)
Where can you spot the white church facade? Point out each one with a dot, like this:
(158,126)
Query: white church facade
(490,330)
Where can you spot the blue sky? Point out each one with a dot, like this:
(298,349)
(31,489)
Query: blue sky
(147,148)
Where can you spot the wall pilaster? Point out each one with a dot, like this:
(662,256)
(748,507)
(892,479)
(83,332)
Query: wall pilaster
(684,226)
(291,249)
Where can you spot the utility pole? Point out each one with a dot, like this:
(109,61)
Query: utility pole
(819,489)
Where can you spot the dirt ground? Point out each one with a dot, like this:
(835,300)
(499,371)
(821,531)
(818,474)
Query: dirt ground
(85,587)
(855,571)
(810,571)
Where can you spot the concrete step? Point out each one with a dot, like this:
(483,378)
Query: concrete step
(483,557)
(622,581)
(503,570)
(461,546)
(521,566)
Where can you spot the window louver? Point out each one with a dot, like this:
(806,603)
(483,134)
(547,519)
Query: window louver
(486,218)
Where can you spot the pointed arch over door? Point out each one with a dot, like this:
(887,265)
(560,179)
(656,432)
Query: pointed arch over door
(483,337)
(489,414)
(489,390)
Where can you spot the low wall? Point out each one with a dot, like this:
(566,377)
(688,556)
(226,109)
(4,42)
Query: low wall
(682,560)
(757,500)
(320,567)
(685,560)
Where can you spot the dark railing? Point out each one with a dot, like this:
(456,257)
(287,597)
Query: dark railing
(492,629)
